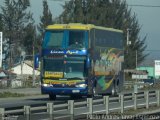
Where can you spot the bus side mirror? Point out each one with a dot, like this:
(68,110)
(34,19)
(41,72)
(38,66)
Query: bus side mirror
(36,61)
(88,63)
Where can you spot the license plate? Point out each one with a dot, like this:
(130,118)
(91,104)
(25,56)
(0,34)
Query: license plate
(54,74)
(75,91)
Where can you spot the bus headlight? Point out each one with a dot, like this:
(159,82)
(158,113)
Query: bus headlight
(81,85)
(46,85)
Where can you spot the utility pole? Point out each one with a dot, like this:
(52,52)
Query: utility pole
(22,61)
(1,52)
(33,84)
(128,42)
(136,58)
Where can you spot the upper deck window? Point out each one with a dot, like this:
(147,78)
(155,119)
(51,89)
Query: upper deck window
(109,39)
(53,39)
(72,39)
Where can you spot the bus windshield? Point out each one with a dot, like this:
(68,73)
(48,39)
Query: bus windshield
(74,68)
(77,39)
(70,39)
(53,39)
(53,65)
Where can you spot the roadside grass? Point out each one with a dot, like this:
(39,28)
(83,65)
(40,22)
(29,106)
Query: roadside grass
(9,94)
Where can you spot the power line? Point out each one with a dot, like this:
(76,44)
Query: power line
(61,0)
(151,50)
(151,6)
(128,5)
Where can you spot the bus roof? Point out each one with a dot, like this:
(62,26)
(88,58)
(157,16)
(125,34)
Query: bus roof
(79,26)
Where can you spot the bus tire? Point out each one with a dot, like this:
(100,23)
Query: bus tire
(113,91)
(52,96)
(116,88)
(75,97)
(93,93)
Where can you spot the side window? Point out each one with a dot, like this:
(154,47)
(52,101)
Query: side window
(108,39)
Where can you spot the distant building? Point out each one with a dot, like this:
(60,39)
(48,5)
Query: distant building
(5,78)
(153,68)
(150,70)
(26,68)
(132,74)
(15,83)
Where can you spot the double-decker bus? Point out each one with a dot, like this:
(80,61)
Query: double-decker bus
(81,60)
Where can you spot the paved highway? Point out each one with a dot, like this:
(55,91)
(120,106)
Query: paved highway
(36,100)
(33,97)
(97,108)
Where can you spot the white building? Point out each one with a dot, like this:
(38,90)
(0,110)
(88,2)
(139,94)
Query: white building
(26,68)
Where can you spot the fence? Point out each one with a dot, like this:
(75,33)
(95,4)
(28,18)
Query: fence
(20,82)
(73,109)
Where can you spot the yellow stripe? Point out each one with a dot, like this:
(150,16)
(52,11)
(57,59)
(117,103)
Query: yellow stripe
(108,84)
(47,81)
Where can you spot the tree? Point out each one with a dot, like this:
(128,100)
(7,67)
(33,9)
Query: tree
(30,38)
(74,11)
(45,19)
(15,18)
(1,24)
(108,13)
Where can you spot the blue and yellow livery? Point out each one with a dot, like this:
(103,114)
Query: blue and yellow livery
(81,59)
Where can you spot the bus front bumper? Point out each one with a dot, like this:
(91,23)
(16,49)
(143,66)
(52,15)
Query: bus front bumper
(64,91)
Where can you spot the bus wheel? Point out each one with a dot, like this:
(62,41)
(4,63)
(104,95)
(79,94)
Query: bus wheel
(52,97)
(75,97)
(113,91)
(93,93)
(117,87)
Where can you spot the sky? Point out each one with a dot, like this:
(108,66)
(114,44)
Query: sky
(148,17)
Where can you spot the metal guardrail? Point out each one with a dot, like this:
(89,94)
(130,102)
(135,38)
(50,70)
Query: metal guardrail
(71,105)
